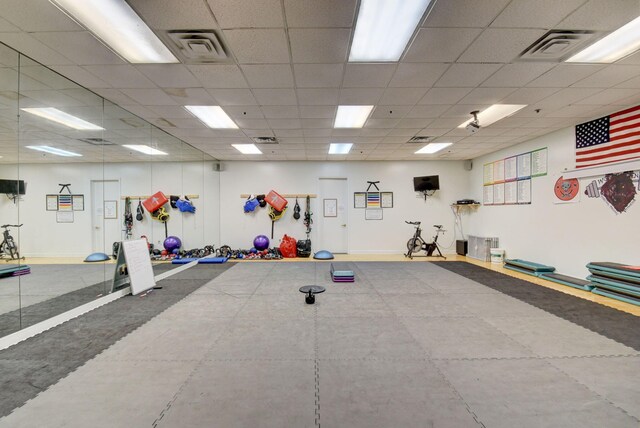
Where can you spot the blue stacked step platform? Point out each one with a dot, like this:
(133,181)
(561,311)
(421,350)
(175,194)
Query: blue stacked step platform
(14,270)
(340,273)
(616,280)
(530,268)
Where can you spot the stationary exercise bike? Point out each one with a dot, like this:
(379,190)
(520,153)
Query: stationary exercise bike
(416,244)
(8,247)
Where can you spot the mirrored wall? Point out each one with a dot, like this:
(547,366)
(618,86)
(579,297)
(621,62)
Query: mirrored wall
(72,165)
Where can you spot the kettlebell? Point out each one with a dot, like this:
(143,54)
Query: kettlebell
(296,210)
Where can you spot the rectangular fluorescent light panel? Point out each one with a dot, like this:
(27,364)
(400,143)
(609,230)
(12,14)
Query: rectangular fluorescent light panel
(144,149)
(384,28)
(115,24)
(58,116)
(340,148)
(352,116)
(494,113)
(53,151)
(432,148)
(212,116)
(622,42)
(247,149)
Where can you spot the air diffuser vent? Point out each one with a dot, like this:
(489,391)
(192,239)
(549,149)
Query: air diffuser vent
(265,140)
(96,141)
(556,45)
(197,46)
(420,139)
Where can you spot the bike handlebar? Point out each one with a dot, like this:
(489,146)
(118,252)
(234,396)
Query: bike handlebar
(415,223)
(5,226)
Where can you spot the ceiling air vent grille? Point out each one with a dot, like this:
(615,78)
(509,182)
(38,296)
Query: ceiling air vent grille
(420,140)
(198,46)
(265,140)
(96,141)
(557,45)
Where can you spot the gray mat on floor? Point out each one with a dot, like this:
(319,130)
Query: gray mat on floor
(35,364)
(612,323)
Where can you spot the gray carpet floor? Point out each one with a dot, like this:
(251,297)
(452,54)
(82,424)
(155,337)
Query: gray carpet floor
(406,345)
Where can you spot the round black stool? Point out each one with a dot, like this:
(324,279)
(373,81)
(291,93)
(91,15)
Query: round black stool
(311,291)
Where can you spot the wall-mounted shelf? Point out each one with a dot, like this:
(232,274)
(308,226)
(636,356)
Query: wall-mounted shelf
(459,207)
(147,197)
(285,195)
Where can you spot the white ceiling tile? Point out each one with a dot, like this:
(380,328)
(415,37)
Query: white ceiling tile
(500,45)
(609,96)
(535,14)
(252,123)
(517,75)
(247,13)
(444,95)
(121,76)
(80,47)
(258,46)
(174,15)
(566,97)
(400,131)
(318,75)
(486,95)
(610,76)
(316,123)
(427,111)
(319,45)
(285,133)
(631,83)
(402,96)
(80,76)
(360,96)
(574,111)
(629,101)
(368,75)
(258,132)
(318,132)
(323,97)
(276,97)
(529,95)
(346,132)
(374,132)
(466,75)
(382,123)
(218,76)
(395,140)
(317,112)
(601,15)
(279,112)
(326,13)
(247,112)
(440,44)
(169,75)
(150,97)
(433,131)
(190,96)
(171,112)
(188,123)
(564,75)
(464,13)
(446,122)
(115,96)
(35,15)
(390,112)
(269,75)
(409,75)
(233,97)
(34,48)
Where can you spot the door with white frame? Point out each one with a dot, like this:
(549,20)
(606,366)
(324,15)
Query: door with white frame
(106,218)
(332,216)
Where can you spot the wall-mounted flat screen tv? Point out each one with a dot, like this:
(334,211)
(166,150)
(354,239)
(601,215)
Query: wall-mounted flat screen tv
(429,182)
(13,187)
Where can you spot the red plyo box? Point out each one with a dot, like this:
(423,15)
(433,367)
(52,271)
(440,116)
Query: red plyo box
(155,202)
(276,201)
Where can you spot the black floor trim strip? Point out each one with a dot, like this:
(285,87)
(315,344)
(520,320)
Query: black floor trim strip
(33,365)
(612,323)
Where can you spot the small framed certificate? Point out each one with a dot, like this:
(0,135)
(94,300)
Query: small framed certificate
(359,199)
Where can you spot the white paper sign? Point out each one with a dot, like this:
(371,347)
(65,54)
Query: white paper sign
(136,253)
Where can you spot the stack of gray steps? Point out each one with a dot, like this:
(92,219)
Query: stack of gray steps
(616,280)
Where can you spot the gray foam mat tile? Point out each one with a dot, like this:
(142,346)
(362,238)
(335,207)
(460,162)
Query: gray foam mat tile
(276,306)
(425,305)
(337,305)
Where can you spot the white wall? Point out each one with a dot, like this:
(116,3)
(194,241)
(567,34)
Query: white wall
(42,236)
(566,236)
(389,235)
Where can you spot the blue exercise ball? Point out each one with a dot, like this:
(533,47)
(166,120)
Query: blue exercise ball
(172,243)
(261,242)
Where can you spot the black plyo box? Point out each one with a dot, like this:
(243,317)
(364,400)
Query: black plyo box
(462,247)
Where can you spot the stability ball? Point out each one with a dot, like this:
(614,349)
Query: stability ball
(261,242)
(172,243)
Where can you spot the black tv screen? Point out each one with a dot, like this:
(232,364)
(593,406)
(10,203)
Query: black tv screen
(13,187)
(429,182)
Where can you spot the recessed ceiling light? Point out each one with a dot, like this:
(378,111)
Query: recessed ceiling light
(212,116)
(247,149)
(53,151)
(493,114)
(340,148)
(352,116)
(432,148)
(58,116)
(144,149)
(384,28)
(115,24)
(622,42)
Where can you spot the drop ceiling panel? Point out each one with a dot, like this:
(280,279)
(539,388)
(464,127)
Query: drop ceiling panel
(427,111)
(170,112)
(190,96)
(313,13)
(275,97)
(610,96)
(174,15)
(486,95)
(518,74)
(360,96)
(121,76)
(601,15)
(319,45)
(529,95)
(564,75)
(233,97)
(402,96)
(317,112)
(80,47)
(115,96)
(249,112)
(81,76)
(169,75)
(368,75)
(322,97)
(150,97)
(535,14)
(390,111)
(440,44)
(34,48)
(252,123)
(500,45)
(410,75)
(269,75)
(464,13)
(218,76)
(444,95)
(318,75)
(36,15)
(247,13)
(258,46)
(466,75)
(610,76)
(279,112)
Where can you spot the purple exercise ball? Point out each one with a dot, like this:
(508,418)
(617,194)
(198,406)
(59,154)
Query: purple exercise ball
(172,243)
(261,242)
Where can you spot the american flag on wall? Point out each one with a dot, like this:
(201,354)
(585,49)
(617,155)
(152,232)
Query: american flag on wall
(609,139)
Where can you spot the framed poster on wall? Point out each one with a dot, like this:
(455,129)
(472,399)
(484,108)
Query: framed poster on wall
(360,200)
(77,201)
(52,202)
(386,199)
(110,209)
(373,214)
(330,207)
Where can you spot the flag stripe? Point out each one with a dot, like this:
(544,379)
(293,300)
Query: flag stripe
(626,137)
(626,111)
(607,148)
(608,155)
(617,129)
(608,161)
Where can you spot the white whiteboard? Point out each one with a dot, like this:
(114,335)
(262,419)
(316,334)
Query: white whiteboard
(136,254)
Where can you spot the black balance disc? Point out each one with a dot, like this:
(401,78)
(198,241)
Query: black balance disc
(311,291)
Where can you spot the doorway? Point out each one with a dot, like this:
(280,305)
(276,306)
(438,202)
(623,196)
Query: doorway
(333,215)
(105,215)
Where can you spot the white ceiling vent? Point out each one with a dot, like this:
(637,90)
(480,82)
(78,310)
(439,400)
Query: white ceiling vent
(420,140)
(556,45)
(265,140)
(198,46)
